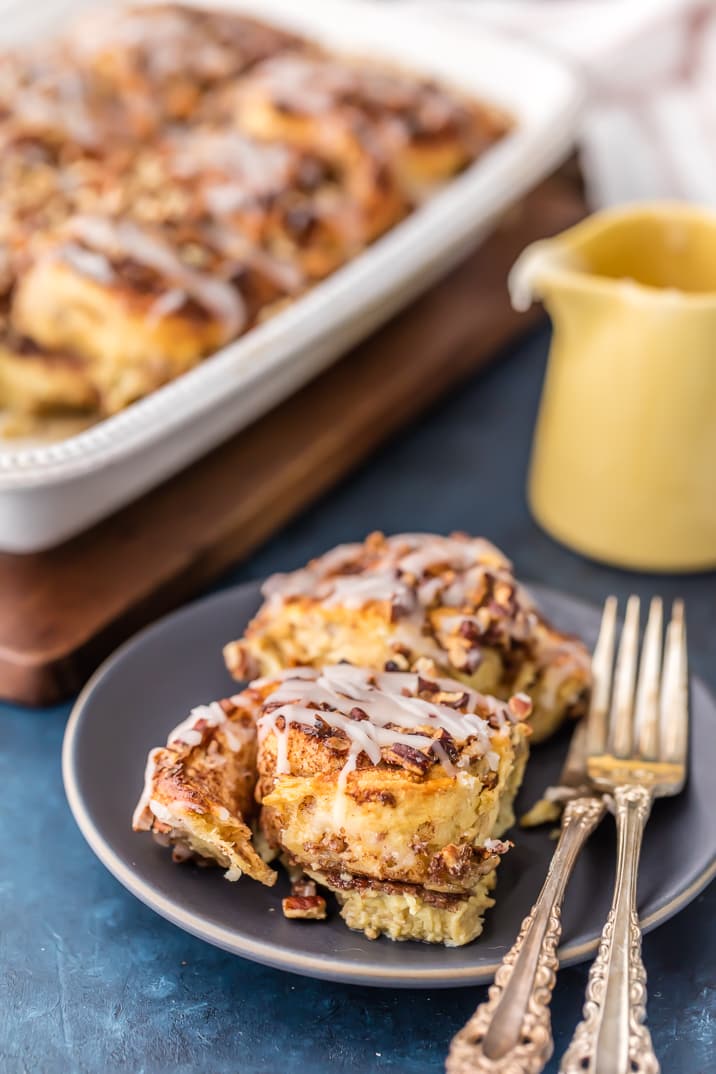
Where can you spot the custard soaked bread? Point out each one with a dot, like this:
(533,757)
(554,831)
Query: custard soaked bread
(391,789)
(393,601)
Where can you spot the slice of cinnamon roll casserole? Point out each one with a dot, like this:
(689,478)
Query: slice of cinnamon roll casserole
(391,789)
(391,602)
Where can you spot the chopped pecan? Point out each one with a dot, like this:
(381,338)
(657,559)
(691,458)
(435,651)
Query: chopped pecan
(398,611)
(304,907)
(447,744)
(468,629)
(504,596)
(520,705)
(454,699)
(361,795)
(408,757)
(458,868)
(338,744)
(426,686)
(489,780)
(357,713)
(351,882)
(303,887)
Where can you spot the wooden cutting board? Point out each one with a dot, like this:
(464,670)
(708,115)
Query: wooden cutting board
(63,610)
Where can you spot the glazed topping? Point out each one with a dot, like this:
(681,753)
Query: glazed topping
(121,239)
(249,168)
(409,570)
(446,599)
(317,85)
(378,711)
(159,41)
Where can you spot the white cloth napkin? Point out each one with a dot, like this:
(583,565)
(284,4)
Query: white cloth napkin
(649,130)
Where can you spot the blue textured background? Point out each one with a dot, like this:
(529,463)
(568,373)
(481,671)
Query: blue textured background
(95,983)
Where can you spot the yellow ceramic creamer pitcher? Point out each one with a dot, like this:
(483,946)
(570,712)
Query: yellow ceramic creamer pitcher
(624,457)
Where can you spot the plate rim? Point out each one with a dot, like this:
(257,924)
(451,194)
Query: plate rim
(268,953)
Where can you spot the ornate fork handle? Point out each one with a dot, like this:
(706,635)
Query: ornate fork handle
(510,1033)
(612,1037)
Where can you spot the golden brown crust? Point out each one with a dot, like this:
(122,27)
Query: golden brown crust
(37,381)
(131,303)
(198,791)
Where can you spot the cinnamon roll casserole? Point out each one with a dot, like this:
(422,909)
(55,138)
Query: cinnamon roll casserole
(171,176)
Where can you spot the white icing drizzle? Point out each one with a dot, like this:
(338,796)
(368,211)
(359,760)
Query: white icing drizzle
(310,697)
(186,733)
(409,556)
(144,802)
(89,263)
(123,238)
(415,573)
(248,168)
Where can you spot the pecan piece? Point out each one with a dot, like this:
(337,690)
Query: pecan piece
(304,907)
(408,757)
(520,705)
(426,686)
(454,699)
(303,887)
(447,743)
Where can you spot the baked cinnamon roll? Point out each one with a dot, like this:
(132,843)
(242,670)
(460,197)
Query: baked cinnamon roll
(392,601)
(391,789)
(362,115)
(161,60)
(141,306)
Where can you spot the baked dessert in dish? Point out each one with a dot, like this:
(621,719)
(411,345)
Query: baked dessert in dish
(171,176)
(390,789)
(391,602)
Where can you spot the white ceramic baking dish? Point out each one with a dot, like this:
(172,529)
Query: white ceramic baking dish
(50,492)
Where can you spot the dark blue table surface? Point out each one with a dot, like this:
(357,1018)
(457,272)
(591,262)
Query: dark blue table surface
(95,983)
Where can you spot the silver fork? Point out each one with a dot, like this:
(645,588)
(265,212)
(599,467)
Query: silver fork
(511,1033)
(637,741)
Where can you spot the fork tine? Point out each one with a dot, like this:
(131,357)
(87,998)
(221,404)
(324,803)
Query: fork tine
(646,710)
(622,708)
(674,691)
(602,662)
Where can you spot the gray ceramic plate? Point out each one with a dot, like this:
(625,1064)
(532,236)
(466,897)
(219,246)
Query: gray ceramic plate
(149,685)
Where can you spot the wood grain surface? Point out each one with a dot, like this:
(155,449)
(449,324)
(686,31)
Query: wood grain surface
(63,610)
